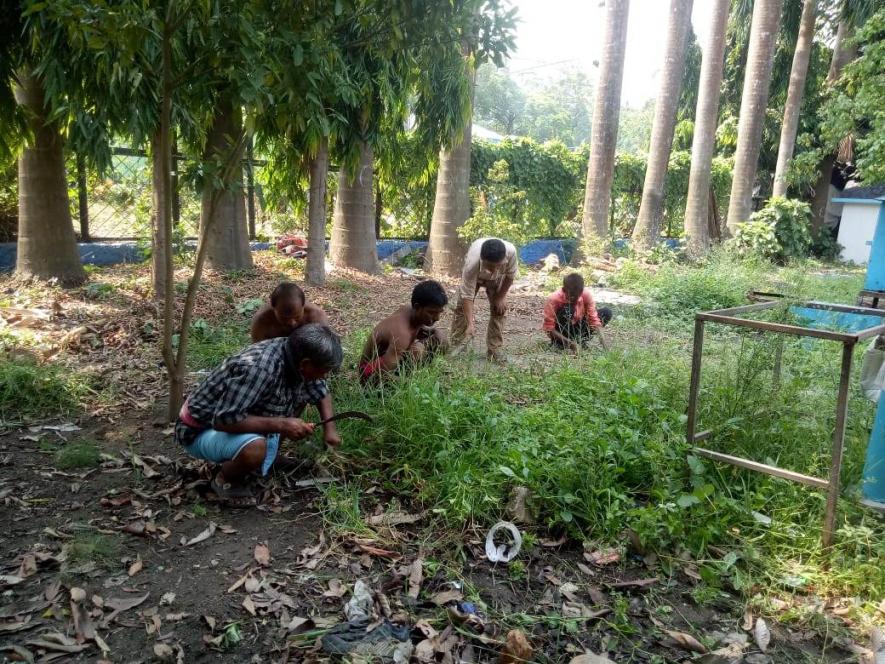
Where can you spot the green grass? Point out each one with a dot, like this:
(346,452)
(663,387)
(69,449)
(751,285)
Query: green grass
(94,548)
(209,345)
(29,390)
(600,440)
(341,509)
(78,454)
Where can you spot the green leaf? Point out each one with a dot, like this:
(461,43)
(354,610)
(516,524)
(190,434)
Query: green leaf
(687,500)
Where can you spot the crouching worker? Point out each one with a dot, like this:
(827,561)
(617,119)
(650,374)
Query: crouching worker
(408,336)
(239,414)
(288,310)
(571,316)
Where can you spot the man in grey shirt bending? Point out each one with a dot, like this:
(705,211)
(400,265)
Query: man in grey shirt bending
(491,264)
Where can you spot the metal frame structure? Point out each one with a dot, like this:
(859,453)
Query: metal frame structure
(876,295)
(848,340)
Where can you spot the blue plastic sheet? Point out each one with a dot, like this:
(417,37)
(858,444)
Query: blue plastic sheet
(835,321)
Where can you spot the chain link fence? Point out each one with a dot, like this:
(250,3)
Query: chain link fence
(116,205)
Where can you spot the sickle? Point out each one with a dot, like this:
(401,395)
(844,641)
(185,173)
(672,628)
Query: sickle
(347,414)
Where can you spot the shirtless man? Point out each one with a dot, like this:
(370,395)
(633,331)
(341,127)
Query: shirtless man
(406,336)
(287,311)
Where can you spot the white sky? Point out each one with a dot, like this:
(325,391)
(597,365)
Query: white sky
(569,33)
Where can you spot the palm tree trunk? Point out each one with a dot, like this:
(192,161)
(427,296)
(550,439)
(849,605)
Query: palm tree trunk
(754,103)
(604,127)
(227,237)
(822,192)
(651,210)
(843,53)
(798,72)
(353,225)
(47,246)
(315,265)
(451,207)
(704,141)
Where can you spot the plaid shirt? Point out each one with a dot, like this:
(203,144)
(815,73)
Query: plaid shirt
(257,381)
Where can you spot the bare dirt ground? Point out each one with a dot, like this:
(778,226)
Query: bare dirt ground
(130,560)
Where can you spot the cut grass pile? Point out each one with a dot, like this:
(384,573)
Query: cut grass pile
(78,454)
(29,390)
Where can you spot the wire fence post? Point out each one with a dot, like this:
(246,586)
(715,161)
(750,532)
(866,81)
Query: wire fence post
(250,188)
(83,199)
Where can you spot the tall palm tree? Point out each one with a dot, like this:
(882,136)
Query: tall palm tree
(47,247)
(754,101)
(604,128)
(801,58)
(451,207)
(353,224)
(844,51)
(444,111)
(704,140)
(651,209)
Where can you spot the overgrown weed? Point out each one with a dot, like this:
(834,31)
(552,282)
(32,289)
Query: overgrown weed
(600,440)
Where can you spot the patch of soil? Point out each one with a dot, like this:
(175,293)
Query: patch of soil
(563,603)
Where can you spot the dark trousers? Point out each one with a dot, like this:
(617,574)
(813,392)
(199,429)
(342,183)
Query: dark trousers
(577,331)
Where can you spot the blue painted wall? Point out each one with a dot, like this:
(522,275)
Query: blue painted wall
(876,267)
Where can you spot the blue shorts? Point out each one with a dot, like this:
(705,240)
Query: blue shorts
(219,446)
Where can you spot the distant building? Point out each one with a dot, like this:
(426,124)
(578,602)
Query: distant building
(859,215)
(483,134)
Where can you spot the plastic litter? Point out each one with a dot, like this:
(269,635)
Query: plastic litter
(360,605)
(503,553)
(388,642)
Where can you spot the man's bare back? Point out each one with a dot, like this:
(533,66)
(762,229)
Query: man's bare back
(287,312)
(265,324)
(392,337)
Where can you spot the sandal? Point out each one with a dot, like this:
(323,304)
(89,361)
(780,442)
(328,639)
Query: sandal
(233,496)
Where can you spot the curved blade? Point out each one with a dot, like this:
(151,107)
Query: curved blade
(347,414)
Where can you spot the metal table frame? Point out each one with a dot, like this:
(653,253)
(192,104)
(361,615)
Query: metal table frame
(876,295)
(848,340)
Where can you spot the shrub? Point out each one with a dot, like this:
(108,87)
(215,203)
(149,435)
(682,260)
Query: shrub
(499,209)
(824,245)
(756,238)
(779,231)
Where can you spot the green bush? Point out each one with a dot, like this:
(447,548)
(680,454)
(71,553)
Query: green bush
(824,246)
(756,238)
(499,209)
(779,231)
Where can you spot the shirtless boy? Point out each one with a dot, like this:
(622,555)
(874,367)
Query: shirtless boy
(407,336)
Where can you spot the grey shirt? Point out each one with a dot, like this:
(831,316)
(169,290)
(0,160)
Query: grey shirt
(478,274)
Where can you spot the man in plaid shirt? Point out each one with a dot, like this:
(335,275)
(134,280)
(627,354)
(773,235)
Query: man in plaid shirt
(239,413)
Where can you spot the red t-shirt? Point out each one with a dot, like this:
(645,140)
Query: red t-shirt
(585,307)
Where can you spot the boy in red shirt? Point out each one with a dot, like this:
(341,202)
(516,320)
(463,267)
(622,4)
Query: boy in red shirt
(571,317)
